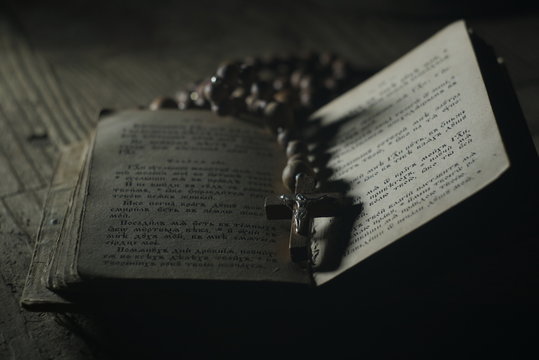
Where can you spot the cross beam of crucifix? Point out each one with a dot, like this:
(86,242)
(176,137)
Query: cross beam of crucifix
(302,207)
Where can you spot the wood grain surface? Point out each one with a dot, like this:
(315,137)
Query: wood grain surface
(59,65)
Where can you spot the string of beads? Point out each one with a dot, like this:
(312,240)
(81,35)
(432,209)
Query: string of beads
(281,90)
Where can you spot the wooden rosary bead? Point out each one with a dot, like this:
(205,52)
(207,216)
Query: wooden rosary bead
(340,68)
(250,103)
(163,102)
(199,89)
(197,95)
(259,106)
(262,90)
(327,58)
(307,82)
(247,74)
(331,83)
(296,147)
(255,62)
(184,100)
(306,99)
(280,83)
(283,137)
(229,73)
(285,96)
(239,93)
(292,169)
(254,105)
(237,101)
(279,115)
(299,156)
(198,99)
(223,109)
(295,77)
(216,90)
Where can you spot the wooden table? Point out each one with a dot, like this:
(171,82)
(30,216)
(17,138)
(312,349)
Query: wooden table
(60,65)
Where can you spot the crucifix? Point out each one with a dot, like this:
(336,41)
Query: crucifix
(302,207)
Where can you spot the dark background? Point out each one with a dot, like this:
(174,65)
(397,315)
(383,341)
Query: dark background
(60,62)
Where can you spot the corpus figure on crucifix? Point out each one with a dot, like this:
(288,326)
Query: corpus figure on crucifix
(302,207)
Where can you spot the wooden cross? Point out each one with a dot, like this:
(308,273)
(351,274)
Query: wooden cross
(302,207)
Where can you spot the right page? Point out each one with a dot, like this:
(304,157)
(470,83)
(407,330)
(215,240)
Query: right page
(411,142)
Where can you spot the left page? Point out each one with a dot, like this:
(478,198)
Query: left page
(180,195)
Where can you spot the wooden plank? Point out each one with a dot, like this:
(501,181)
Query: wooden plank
(24,136)
(157,50)
(25,209)
(39,74)
(30,173)
(29,133)
(25,335)
(18,342)
(8,45)
(10,182)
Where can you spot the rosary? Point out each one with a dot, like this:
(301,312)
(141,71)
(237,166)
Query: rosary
(283,91)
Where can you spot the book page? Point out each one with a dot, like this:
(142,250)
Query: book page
(36,295)
(67,240)
(180,195)
(412,141)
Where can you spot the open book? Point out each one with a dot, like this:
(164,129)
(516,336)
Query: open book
(178,195)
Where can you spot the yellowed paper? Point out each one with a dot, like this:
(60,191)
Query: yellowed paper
(180,195)
(414,140)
